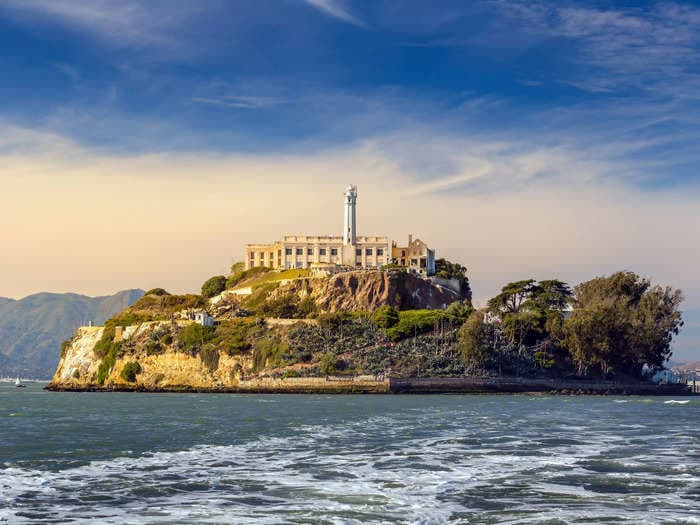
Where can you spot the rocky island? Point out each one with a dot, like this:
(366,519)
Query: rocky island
(379,331)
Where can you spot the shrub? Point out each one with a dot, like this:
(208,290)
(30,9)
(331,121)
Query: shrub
(153,347)
(459,310)
(285,306)
(108,361)
(130,371)
(232,335)
(76,374)
(156,291)
(214,286)
(330,364)
(385,317)
(414,322)
(65,345)
(210,358)
(238,274)
(269,352)
(193,336)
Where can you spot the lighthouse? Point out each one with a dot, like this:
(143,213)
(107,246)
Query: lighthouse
(350,226)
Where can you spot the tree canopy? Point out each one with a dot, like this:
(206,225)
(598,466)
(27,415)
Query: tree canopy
(609,325)
(214,286)
(622,322)
(449,270)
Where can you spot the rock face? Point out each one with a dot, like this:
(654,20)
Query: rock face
(369,290)
(156,345)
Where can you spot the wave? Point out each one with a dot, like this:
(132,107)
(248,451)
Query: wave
(383,469)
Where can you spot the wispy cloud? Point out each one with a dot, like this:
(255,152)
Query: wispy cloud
(121,23)
(652,49)
(240,101)
(336,9)
(553,214)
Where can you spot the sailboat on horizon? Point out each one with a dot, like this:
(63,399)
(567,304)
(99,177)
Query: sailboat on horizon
(18,383)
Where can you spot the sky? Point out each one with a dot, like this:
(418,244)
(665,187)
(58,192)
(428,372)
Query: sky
(143,143)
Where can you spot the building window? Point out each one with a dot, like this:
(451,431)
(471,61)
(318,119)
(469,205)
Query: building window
(300,264)
(322,251)
(368,251)
(310,251)
(334,251)
(279,253)
(300,251)
(358,252)
(380,251)
(288,251)
(403,253)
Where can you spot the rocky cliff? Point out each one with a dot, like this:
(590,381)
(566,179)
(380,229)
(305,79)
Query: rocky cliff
(368,291)
(337,346)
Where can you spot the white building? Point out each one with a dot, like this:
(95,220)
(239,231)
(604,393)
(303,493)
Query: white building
(302,251)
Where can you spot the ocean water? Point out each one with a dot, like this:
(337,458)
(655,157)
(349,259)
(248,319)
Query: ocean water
(203,458)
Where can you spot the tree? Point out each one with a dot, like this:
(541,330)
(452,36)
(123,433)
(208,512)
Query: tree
(449,270)
(620,323)
(513,297)
(385,317)
(459,310)
(237,267)
(475,340)
(214,286)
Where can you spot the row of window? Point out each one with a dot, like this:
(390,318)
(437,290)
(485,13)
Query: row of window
(321,251)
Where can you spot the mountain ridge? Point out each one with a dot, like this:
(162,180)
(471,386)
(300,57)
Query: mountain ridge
(32,328)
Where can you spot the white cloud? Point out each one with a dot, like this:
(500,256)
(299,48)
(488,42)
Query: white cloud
(121,23)
(240,101)
(336,9)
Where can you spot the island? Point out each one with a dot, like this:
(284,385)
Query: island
(380,331)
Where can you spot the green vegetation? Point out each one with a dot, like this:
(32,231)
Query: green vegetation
(260,275)
(214,286)
(193,337)
(415,322)
(621,323)
(210,358)
(607,326)
(160,307)
(239,274)
(113,351)
(385,317)
(233,336)
(156,291)
(65,345)
(459,311)
(449,270)
(130,371)
(476,338)
(270,352)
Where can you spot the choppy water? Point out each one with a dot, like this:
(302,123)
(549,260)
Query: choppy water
(155,458)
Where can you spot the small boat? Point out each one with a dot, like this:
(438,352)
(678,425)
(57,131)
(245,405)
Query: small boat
(18,383)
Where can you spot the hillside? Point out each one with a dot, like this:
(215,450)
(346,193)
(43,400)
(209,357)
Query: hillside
(269,326)
(31,329)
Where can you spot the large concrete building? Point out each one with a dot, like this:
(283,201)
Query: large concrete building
(348,250)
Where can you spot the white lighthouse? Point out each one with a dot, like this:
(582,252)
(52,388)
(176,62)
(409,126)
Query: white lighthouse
(350,225)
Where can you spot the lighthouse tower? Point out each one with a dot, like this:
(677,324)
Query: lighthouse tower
(349,226)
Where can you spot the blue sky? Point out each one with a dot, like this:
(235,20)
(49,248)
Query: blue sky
(485,107)
(290,74)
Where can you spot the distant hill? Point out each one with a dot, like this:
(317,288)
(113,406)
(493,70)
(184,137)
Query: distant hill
(31,329)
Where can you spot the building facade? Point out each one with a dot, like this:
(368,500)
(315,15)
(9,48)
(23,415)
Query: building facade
(349,249)
(416,256)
